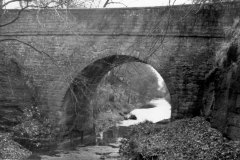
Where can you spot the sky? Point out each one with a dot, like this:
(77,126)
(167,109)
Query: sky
(126,3)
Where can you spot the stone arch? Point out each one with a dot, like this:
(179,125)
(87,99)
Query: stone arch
(75,110)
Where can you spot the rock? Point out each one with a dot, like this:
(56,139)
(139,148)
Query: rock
(12,150)
(234,120)
(234,133)
(113,155)
(114,145)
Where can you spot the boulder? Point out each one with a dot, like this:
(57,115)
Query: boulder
(233,132)
(234,119)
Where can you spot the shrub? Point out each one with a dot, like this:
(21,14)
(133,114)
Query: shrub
(34,130)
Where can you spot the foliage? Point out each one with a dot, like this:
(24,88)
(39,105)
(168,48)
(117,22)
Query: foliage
(123,89)
(142,79)
(182,139)
(105,120)
(108,103)
(10,149)
(34,130)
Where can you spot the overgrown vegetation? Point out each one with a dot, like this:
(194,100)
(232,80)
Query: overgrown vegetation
(34,129)
(184,139)
(31,131)
(112,100)
(10,149)
(123,89)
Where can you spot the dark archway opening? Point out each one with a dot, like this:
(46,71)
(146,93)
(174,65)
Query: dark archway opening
(77,107)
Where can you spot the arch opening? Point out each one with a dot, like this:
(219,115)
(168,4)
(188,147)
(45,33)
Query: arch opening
(110,87)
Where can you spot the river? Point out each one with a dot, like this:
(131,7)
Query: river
(83,153)
(108,148)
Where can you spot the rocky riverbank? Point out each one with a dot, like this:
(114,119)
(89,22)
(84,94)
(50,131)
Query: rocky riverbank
(184,139)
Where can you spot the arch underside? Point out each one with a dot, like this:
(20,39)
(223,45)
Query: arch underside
(75,107)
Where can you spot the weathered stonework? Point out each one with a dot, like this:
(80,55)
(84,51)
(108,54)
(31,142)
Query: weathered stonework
(222,84)
(225,114)
(73,40)
(16,92)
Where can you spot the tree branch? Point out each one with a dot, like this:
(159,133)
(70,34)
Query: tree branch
(111,2)
(16,18)
(5,4)
(117,3)
(106,3)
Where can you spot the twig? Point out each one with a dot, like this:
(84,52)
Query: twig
(106,3)
(5,4)
(16,18)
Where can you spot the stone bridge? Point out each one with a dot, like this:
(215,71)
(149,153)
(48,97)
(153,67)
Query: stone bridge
(56,53)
